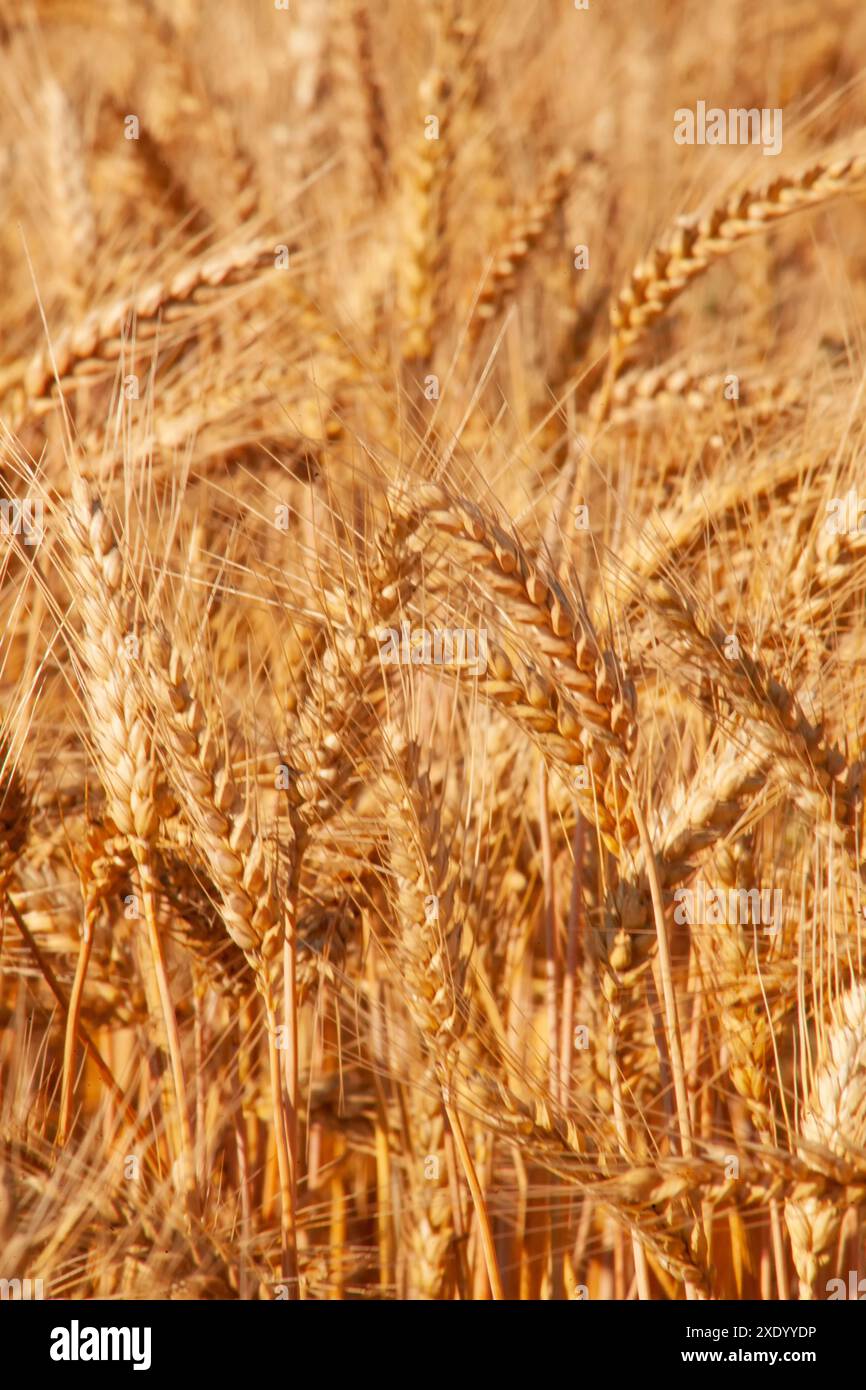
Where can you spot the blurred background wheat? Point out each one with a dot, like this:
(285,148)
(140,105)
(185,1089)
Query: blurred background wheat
(328,329)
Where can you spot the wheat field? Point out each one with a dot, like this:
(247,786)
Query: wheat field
(432,687)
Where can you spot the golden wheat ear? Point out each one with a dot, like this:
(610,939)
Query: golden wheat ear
(698,242)
(833,1126)
(106,649)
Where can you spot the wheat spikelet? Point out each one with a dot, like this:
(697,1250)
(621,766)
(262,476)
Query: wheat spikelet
(424,267)
(430,964)
(118,727)
(676,528)
(834,1121)
(124,750)
(75,239)
(644,395)
(579,695)
(698,242)
(223,823)
(430,1216)
(362,116)
(100,337)
(428,940)
(817,773)
(521,236)
(237,860)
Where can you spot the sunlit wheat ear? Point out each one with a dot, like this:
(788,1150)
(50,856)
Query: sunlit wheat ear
(423,269)
(662,536)
(832,1130)
(424,950)
(428,940)
(574,693)
(698,242)
(100,337)
(237,858)
(646,397)
(222,823)
(816,772)
(431,1233)
(699,817)
(121,737)
(339,704)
